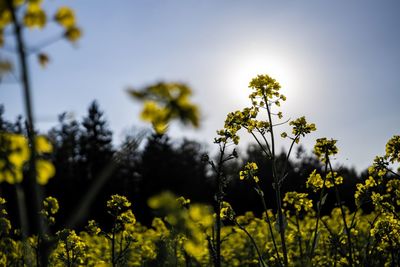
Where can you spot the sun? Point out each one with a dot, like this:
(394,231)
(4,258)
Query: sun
(247,66)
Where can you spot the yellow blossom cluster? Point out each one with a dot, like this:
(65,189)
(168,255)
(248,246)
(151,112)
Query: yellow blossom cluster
(393,149)
(164,102)
(300,128)
(324,148)
(15,153)
(297,201)
(316,182)
(249,172)
(265,91)
(34,16)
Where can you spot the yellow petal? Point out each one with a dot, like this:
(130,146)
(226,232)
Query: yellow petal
(43,145)
(45,170)
(65,16)
(73,34)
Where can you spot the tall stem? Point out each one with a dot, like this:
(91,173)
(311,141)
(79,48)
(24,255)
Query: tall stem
(299,237)
(319,205)
(113,248)
(218,198)
(343,216)
(260,259)
(277,187)
(22,214)
(269,225)
(35,193)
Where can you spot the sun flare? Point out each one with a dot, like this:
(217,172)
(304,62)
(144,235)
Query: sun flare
(246,67)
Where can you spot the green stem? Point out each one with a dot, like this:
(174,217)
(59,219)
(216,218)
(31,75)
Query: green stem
(113,248)
(218,207)
(277,188)
(269,225)
(260,259)
(288,156)
(33,186)
(22,211)
(299,237)
(343,215)
(319,205)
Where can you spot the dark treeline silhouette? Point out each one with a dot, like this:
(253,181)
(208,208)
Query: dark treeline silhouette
(146,164)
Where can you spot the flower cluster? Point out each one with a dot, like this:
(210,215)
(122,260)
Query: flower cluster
(5,224)
(71,249)
(297,201)
(300,128)
(50,208)
(316,182)
(117,204)
(15,153)
(66,18)
(379,167)
(164,102)
(393,149)
(34,16)
(387,231)
(249,172)
(227,212)
(226,136)
(363,190)
(324,148)
(266,91)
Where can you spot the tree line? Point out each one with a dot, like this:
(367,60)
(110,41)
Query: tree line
(146,163)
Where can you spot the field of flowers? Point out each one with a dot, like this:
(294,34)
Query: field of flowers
(191,234)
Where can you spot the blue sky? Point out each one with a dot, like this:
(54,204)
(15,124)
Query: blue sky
(338,62)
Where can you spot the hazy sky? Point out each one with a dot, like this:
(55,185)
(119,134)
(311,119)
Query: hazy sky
(338,63)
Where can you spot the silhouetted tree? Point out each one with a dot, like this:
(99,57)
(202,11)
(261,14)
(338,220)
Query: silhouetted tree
(65,157)
(95,142)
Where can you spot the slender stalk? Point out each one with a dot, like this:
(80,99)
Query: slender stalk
(22,212)
(218,198)
(299,239)
(113,248)
(392,172)
(265,141)
(288,156)
(69,262)
(269,226)
(343,215)
(260,259)
(261,146)
(33,186)
(277,187)
(318,212)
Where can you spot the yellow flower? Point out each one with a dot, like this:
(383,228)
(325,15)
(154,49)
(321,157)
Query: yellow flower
(393,149)
(65,16)
(324,148)
(73,33)
(43,145)
(35,16)
(164,102)
(298,201)
(249,171)
(301,127)
(45,170)
(16,148)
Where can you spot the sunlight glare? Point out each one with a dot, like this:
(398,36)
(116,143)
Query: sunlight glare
(246,67)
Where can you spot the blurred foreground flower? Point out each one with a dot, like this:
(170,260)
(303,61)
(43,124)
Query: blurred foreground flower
(14,154)
(164,102)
